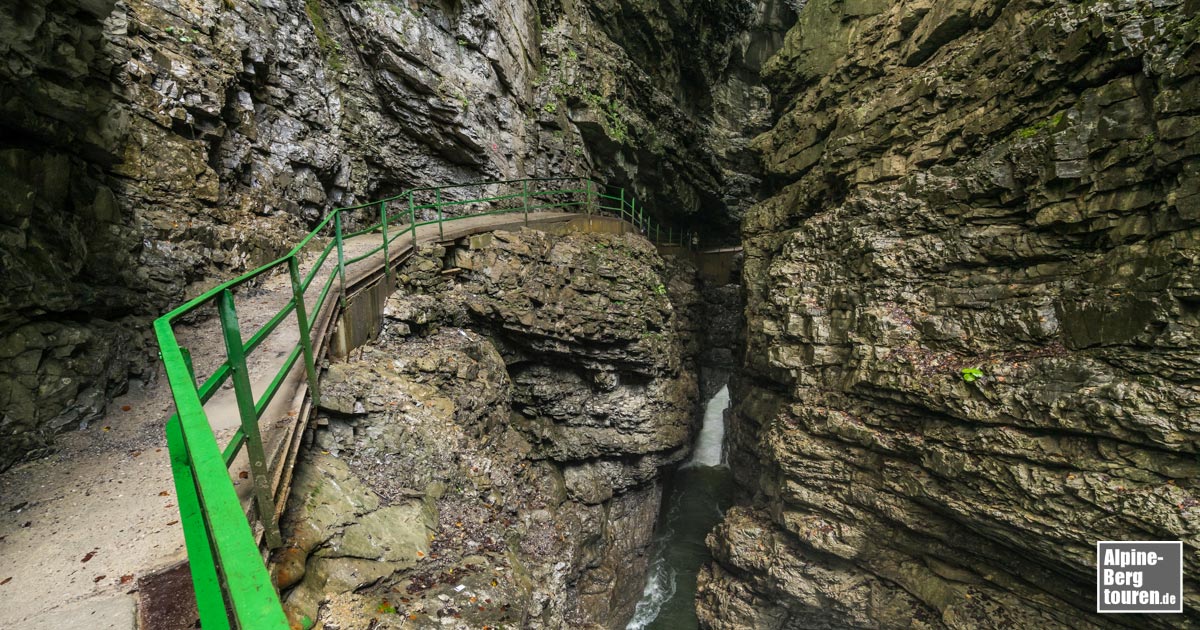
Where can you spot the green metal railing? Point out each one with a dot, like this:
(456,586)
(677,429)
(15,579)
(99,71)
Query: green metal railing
(232,585)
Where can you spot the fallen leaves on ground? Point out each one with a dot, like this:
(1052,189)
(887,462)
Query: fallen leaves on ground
(91,554)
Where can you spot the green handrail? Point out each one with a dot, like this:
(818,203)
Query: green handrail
(232,586)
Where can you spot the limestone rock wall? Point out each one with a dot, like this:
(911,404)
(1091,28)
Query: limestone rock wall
(153,147)
(724,328)
(1003,186)
(493,458)
(67,274)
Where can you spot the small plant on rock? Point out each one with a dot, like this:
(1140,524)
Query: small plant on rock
(971,374)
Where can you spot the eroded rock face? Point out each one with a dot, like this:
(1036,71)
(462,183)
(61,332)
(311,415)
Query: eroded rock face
(67,275)
(672,90)
(159,146)
(1004,186)
(721,309)
(505,435)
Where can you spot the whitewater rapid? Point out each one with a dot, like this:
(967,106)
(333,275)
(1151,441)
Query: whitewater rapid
(711,443)
(693,502)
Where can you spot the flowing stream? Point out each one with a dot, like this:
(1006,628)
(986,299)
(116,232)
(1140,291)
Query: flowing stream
(695,497)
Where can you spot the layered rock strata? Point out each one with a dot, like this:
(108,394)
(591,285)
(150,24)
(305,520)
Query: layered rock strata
(723,331)
(493,458)
(972,318)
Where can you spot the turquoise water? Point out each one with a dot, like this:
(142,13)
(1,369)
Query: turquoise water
(694,498)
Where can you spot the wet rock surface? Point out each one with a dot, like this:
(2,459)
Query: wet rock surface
(721,347)
(1006,188)
(491,460)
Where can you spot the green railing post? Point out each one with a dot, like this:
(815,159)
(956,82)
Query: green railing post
(244,394)
(621,205)
(337,234)
(412,222)
(206,582)
(437,203)
(588,202)
(525,198)
(310,363)
(187,361)
(658,233)
(387,259)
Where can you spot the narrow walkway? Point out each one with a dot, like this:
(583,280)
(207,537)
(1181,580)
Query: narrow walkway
(80,527)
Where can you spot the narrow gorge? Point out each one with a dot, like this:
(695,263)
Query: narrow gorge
(927,273)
